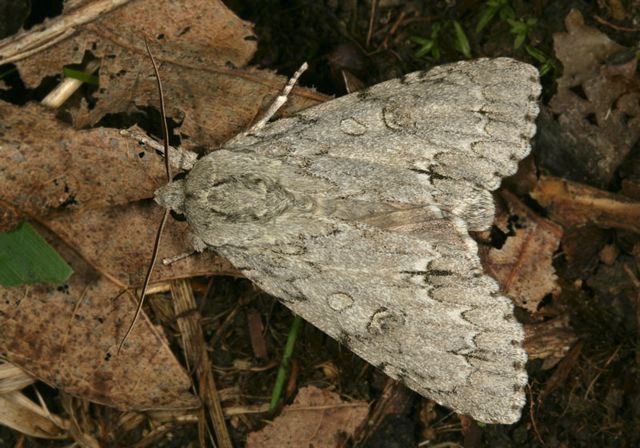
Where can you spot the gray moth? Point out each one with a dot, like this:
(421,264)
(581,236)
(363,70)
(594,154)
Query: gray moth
(355,214)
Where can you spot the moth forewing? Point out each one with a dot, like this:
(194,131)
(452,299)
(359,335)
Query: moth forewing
(355,214)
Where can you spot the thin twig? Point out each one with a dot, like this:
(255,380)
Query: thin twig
(616,27)
(184,304)
(25,44)
(392,31)
(372,17)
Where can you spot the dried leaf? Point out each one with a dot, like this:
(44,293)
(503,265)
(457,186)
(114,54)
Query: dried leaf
(87,187)
(204,23)
(69,169)
(117,241)
(582,49)
(317,418)
(22,414)
(68,336)
(206,91)
(523,266)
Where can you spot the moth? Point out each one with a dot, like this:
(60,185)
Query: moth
(356,215)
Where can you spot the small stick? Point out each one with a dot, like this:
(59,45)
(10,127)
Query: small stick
(195,350)
(156,245)
(372,17)
(67,87)
(25,44)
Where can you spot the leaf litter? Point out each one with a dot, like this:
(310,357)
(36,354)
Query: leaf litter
(93,189)
(317,417)
(204,72)
(523,265)
(596,105)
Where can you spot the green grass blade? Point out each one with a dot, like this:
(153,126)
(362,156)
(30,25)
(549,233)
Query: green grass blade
(80,75)
(284,364)
(461,39)
(25,257)
(485,17)
(425,50)
(8,72)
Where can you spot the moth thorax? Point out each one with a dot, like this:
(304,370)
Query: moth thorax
(248,198)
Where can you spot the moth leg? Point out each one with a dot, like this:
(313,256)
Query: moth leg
(180,158)
(198,246)
(279,101)
(170,260)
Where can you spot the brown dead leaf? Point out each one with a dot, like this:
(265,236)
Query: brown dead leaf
(86,185)
(209,24)
(208,90)
(581,246)
(117,241)
(574,204)
(317,418)
(67,169)
(67,337)
(597,104)
(523,266)
(582,49)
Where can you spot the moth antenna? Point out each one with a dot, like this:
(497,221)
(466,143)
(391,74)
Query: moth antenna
(163,114)
(156,245)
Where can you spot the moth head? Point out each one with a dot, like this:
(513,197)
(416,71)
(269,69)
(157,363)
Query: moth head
(172,196)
